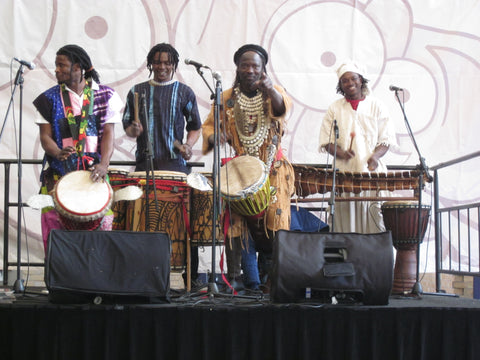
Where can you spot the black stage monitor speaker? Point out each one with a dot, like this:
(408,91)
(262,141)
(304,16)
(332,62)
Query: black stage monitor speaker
(108,266)
(351,267)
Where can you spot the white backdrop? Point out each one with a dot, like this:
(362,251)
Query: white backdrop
(430,48)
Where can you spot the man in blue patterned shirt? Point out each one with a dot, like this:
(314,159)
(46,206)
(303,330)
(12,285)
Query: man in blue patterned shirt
(171,107)
(158,112)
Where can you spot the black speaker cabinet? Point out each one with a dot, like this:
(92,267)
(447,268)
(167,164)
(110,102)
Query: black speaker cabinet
(108,266)
(318,266)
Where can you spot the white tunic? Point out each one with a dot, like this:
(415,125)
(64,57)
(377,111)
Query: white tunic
(372,126)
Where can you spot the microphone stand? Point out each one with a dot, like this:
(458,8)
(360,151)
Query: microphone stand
(332,193)
(423,171)
(149,155)
(18,285)
(213,93)
(216,96)
(212,285)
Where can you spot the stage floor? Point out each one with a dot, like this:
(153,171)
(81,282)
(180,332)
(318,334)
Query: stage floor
(207,325)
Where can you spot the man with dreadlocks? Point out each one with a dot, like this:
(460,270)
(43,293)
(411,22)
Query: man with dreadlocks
(255,108)
(76,118)
(165,108)
(171,107)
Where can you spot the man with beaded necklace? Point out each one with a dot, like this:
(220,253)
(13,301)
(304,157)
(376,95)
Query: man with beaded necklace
(253,117)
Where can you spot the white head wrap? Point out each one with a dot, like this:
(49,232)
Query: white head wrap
(350,66)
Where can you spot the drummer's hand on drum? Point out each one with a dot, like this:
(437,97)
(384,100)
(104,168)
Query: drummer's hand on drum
(135,129)
(99,172)
(64,153)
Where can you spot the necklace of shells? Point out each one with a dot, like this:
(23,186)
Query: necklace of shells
(250,121)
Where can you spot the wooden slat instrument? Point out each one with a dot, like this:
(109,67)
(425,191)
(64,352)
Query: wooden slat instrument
(310,180)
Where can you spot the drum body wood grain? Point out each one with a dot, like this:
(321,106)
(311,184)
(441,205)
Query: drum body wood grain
(401,218)
(171,216)
(118,180)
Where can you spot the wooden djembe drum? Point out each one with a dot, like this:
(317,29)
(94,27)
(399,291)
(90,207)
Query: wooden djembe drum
(401,218)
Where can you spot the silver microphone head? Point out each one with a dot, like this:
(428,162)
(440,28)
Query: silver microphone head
(217,76)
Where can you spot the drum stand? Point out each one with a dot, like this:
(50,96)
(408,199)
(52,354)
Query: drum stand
(423,171)
(19,285)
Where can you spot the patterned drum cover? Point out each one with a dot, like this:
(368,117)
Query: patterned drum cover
(201,217)
(171,216)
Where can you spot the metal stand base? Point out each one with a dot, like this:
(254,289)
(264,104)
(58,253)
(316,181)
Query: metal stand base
(18,286)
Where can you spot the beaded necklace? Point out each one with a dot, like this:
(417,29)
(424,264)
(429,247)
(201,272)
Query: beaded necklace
(250,121)
(78,130)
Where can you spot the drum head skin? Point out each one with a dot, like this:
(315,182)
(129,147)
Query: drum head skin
(240,174)
(76,195)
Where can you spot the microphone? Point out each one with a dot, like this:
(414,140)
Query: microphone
(196,64)
(335,128)
(395,88)
(217,76)
(30,65)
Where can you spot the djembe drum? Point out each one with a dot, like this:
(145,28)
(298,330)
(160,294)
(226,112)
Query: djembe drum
(173,198)
(201,217)
(81,202)
(245,184)
(401,218)
(118,180)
